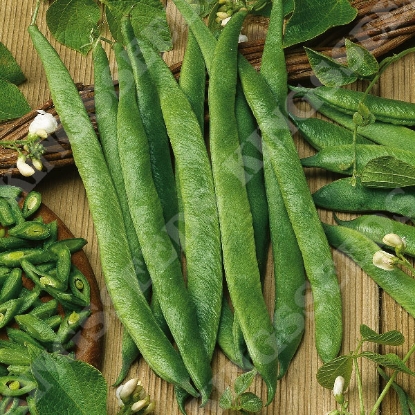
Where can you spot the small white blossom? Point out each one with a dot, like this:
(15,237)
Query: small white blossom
(139,405)
(23,167)
(394,240)
(37,164)
(224,21)
(384,260)
(43,124)
(128,388)
(242,38)
(338,387)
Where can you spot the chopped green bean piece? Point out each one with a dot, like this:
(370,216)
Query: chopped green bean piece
(31,203)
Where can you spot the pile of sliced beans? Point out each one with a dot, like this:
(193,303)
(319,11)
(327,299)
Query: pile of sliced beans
(44,297)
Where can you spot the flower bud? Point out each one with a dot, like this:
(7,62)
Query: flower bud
(37,164)
(23,167)
(384,260)
(43,124)
(394,240)
(338,389)
(222,15)
(128,389)
(137,406)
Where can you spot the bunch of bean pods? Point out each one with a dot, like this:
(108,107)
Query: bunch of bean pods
(44,297)
(174,198)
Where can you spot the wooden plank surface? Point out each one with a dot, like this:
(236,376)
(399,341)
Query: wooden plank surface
(298,392)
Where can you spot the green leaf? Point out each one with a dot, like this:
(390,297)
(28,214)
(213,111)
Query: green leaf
(148,18)
(340,366)
(390,360)
(312,18)
(328,71)
(388,172)
(248,401)
(360,60)
(225,401)
(74,23)
(13,103)
(404,401)
(9,68)
(244,381)
(392,338)
(68,386)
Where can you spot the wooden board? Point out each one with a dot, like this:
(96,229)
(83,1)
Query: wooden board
(62,190)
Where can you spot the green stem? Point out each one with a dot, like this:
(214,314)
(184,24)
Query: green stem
(35,13)
(390,382)
(359,386)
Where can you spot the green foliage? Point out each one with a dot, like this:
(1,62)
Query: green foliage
(66,385)
(360,64)
(241,400)
(388,172)
(9,68)
(74,23)
(306,21)
(343,366)
(148,17)
(13,103)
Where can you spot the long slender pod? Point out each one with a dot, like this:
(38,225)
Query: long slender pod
(118,267)
(289,274)
(238,242)
(342,158)
(192,79)
(202,233)
(301,210)
(376,227)
(106,107)
(399,285)
(161,258)
(346,195)
(149,106)
(387,110)
(392,135)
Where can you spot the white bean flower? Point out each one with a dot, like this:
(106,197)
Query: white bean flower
(43,124)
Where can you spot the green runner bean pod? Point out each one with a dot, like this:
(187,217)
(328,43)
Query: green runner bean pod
(399,285)
(378,132)
(321,133)
(202,234)
(376,227)
(146,211)
(346,100)
(343,195)
(340,158)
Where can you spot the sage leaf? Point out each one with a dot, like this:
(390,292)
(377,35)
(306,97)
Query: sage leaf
(340,366)
(312,18)
(148,18)
(67,386)
(248,401)
(9,68)
(388,172)
(360,60)
(390,360)
(74,23)
(244,381)
(13,103)
(392,338)
(328,71)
